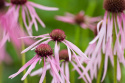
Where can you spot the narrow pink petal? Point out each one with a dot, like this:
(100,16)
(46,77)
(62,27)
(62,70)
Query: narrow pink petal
(67,70)
(40,21)
(39,71)
(55,70)
(43,73)
(105,67)
(45,42)
(56,52)
(66,19)
(32,10)
(118,71)
(62,67)
(24,67)
(28,48)
(42,7)
(30,68)
(76,49)
(78,70)
(83,25)
(69,53)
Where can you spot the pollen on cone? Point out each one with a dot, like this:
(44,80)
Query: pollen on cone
(114,6)
(18,2)
(57,35)
(44,50)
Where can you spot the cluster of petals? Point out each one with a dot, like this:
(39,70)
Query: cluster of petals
(48,60)
(11,31)
(46,38)
(75,61)
(103,44)
(86,21)
(28,12)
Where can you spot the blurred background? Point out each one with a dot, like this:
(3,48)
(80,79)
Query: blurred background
(91,8)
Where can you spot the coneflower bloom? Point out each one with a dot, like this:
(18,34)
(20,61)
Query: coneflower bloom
(43,52)
(11,31)
(75,61)
(110,37)
(64,58)
(28,12)
(79,19)
(58,36)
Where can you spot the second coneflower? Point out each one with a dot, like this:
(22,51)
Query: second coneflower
(28,12)
(80,19)
(109,40)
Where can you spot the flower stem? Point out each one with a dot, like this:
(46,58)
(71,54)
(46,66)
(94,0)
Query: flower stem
(1,72)
(89,11)
(77,36)
(100,69)
(115,68)
(91,7)
(72,75)
(23,45)
(115,56)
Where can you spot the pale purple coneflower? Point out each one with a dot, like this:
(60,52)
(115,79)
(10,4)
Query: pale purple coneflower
(43,52)
(11,31)
(28,12)
(58,36)
(110,38)
(64,58)
(80,19)
(75,61)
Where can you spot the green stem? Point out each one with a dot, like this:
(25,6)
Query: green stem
(85,38)
(77,35)
(100,69)
(115,56)
(23,45)
(89,11)
(91,7)
(115,68)
(72,74)
(1,72)
(85,33)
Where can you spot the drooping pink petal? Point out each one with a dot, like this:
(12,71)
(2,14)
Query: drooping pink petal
(67,70)
(24,67)
(69,53)
(28,48)
(76,49)
(39,71)
(42,7)
(56,52)
(65,19)
(30,68)
(118,71)
(43,73)
(78,70)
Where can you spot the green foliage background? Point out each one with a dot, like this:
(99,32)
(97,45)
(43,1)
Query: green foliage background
(91,8)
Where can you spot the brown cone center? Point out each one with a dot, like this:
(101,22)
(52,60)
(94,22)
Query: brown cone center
(57,35)
(44,50)
(18,2)
(114,6)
